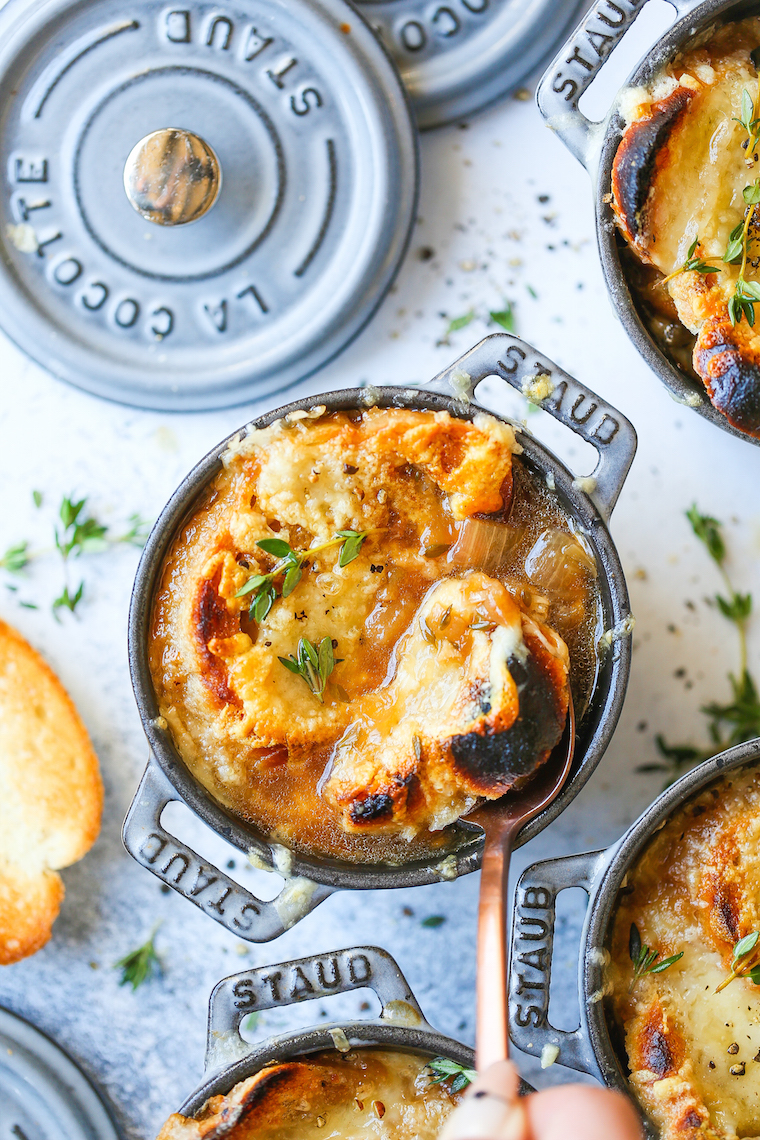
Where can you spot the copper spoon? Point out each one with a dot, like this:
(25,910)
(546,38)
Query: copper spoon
(501,820)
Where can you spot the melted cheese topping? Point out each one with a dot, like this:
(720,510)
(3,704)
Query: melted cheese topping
(428,625)
(366,1094)
(694,1054)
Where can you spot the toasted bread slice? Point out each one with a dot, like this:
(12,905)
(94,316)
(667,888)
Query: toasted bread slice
(51,795)
(677,184)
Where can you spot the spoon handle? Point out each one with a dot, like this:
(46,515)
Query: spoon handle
(492,1033)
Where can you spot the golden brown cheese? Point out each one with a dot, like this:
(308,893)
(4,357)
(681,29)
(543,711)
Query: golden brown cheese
(450,682)
(366,1094)
(678,175)
(694,1054)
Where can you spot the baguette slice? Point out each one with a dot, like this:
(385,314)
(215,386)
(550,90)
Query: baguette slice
(51,795)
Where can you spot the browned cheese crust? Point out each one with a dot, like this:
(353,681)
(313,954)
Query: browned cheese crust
(51,795)
(679,174)
(363,1095)
(449,683)
(694,1054)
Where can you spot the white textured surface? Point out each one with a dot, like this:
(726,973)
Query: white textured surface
(492,237)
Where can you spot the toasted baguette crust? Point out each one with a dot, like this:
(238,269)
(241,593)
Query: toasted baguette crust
(51,795)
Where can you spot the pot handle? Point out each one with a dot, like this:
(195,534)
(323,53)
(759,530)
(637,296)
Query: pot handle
(531,951)
(569,401)
(199,881)
(576,66)
(287,983)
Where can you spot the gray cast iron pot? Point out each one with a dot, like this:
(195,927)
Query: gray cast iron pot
(401,1025)
(595,144)
(589,1049)
(167,778)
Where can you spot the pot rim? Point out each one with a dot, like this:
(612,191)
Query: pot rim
(370,1034)
(680,386)
(596,727)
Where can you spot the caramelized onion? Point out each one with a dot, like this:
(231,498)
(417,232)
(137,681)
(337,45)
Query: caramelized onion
(483,544)
(560,565)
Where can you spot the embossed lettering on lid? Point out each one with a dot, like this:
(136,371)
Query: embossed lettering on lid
(277,131)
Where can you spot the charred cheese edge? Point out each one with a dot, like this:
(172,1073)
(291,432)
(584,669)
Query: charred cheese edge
(678,174)
(366,1094)
(423,714)
(694,1054)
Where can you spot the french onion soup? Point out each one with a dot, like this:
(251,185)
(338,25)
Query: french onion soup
(685,192)
(365,1094)
(372,621)
(685,967)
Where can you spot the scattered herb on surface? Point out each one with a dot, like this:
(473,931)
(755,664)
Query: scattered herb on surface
(37,498)
(444,1069)
(16,558)
(739,719)
(458,323)
(645,960)
(263,588)
(504,317)
(532,292)
(433,920)
(67,601)
(140,964)
(438,549)
(745,962)
(692,264)
(313,664)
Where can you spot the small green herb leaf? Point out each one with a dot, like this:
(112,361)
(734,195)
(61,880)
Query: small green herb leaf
(37,497)
(68,601)
(707,530)
(505,318)
(746,945)
(352,545)
(15,558)
(139,965)
(665,963)
(433,920)
(292,578)
(634,943)
(444,1069)
(275,546)
(460,322)
(251,585)
(438,549)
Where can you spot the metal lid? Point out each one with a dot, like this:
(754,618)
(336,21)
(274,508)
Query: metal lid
(43,1094)
(307,121)
(457,56)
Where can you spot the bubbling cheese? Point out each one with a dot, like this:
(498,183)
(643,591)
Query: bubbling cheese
(694,1054)
(366,1094)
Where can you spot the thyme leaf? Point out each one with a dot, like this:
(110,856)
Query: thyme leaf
(692,264)
(645,960)
(745,962)
(288,570)
(16,558)
(739,718)
(139,965)
(504,317)
(444,1069)
(68,601)
(313,664)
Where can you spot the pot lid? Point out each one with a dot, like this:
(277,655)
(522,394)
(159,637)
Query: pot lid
(43,1094)
(202,203)
(457,56)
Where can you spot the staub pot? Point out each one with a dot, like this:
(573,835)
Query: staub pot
(595,144)
(587,502)
(401,1024)
(601,874)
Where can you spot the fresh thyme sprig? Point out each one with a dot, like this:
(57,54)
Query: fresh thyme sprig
(263,587)
(445,1069)
(314,665)
(745,962)
(739,719)
(692,264)
(645,960)
(140,964)
(75,532)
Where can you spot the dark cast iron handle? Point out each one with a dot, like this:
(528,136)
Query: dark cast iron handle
(577,65)
(531,953)
(303,979)
(572,403)
(199,881)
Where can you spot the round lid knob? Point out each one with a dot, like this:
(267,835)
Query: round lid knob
(172,177)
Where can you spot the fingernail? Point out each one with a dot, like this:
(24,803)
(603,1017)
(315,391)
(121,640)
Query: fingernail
(480,1116)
